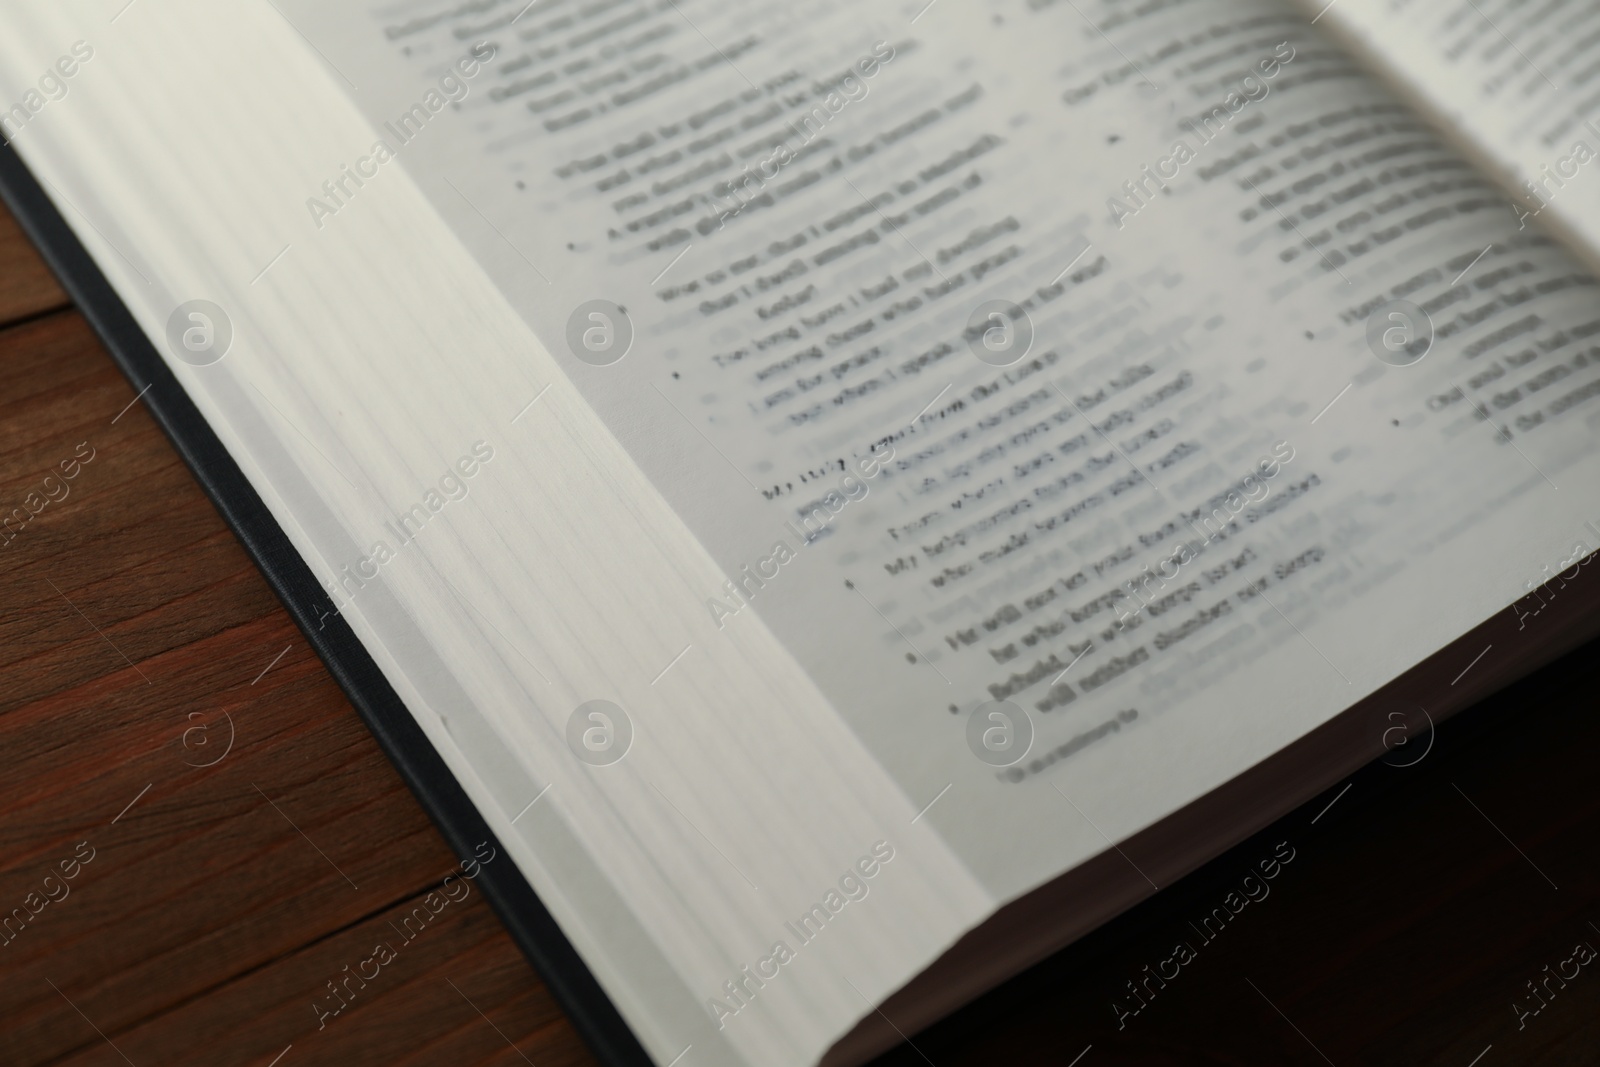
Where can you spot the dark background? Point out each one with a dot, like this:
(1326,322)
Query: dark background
(136,636)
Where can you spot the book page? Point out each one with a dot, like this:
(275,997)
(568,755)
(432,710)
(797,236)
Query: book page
(1518,85)
(1030,360)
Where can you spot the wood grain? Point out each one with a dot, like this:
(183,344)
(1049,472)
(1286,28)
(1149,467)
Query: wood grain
(231,881)
(26,287)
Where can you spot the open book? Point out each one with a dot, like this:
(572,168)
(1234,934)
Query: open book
(821,476)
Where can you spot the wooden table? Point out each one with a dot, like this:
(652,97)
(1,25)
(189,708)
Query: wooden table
(247,841)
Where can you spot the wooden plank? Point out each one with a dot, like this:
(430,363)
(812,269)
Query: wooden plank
(444,987)
(26,285)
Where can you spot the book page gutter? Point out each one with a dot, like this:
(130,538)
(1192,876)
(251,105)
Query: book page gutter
(1514,83)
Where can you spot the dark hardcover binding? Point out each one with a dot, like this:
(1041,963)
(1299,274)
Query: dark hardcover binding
(532,927)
